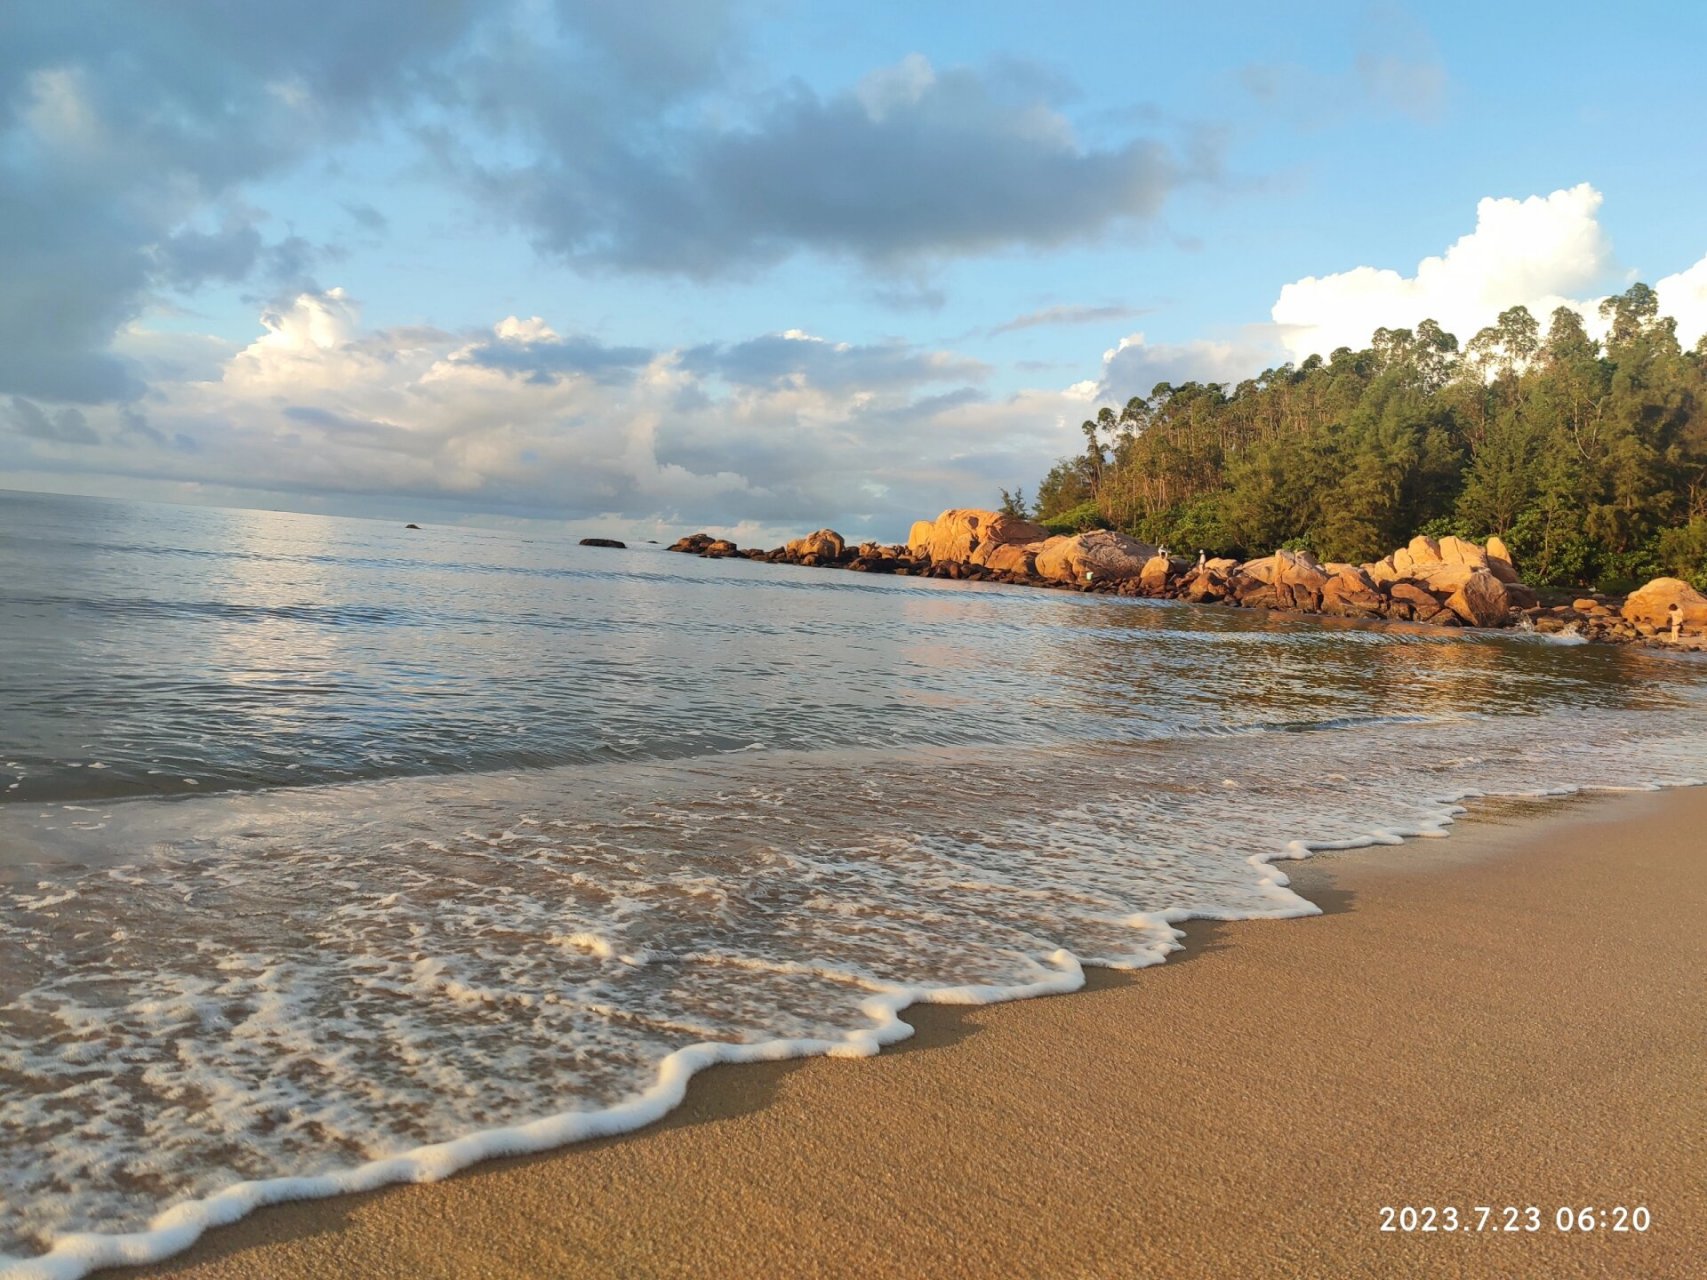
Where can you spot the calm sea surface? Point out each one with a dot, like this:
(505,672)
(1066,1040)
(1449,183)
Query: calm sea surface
(325,842)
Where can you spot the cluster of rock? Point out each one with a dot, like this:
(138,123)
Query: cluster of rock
(1447,581)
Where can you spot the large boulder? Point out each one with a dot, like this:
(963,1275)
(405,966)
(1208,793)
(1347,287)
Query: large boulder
(1100,553)
(1009,557)
(1651,606)
(1153,577)
(1500,563)
(1458,551)
(825,544)
(1442,578)
(693,543)
(1351,593)
(1482,601)
(1382,572)
(957,534)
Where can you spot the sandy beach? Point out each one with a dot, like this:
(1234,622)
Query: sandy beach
(1515,1016)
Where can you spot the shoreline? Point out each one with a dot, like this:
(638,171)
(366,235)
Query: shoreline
(737,1150)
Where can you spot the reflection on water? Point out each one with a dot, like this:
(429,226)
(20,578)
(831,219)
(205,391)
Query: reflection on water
(147,645)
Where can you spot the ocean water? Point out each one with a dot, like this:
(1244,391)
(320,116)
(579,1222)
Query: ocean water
(334,853)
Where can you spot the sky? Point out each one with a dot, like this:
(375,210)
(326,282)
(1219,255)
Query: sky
(645,268)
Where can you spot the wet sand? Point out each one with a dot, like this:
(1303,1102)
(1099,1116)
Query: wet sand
(1514,1016)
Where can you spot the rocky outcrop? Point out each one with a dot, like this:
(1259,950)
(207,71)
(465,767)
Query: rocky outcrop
(1447,582)
(970,536)
(1651,607)
(604,542)
(1100,555)
(824,545)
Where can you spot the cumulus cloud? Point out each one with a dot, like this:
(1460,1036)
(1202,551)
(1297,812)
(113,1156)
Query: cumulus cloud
(1537,252)
(121,125)
(1684,297)
(778,431)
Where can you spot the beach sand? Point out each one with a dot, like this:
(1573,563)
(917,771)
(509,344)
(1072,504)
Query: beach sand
(1514,1016)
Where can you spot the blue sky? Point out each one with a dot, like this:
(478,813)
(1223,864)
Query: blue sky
(759,267)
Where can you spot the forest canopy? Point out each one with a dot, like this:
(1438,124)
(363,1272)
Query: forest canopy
(1588,457)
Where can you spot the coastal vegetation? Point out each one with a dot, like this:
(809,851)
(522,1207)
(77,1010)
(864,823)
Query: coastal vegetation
(1587,457)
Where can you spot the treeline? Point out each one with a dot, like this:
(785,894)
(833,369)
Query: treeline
(1589,458)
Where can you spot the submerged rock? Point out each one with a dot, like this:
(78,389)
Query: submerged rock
(604,542)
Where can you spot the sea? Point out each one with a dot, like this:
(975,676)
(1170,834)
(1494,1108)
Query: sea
(336,853)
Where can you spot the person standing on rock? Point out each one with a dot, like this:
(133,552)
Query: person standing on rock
(1675,613)
(1202,557)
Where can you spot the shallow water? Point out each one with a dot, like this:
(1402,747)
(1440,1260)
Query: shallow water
(325,841)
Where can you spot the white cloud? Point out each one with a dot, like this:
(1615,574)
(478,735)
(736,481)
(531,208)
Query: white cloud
(1540,252)
(1134,366)
(783,432)
(1684,297)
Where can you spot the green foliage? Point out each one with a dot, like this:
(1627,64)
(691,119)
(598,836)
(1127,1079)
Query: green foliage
(1682,553)
(1087,515)
(1013,504)
(1591,463)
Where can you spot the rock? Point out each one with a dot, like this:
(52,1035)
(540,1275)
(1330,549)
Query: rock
(411,526)
(1457,551)
(957,534)
(693,544)
(825,545)
(1652,605)
(1011,557)
(1204,585)
(1382,571)
(605,542)
(1153,577)
(719,548)
(1259,570)
(874,564)
(1100,552)
(1500,563)
(1482,601)
(1423,606)
(1423,550)
(1298,569)
(1441,578)
(1351,594)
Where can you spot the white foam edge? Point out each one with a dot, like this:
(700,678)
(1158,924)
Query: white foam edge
(75,1255)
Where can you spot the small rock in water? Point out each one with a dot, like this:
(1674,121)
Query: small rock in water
(411,526)
(604,542)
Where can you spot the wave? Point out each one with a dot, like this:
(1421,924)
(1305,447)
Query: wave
(1145,862)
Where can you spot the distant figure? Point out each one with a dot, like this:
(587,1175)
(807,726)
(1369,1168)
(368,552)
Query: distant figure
(1676,615)
(1202,558)
(1162,550)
